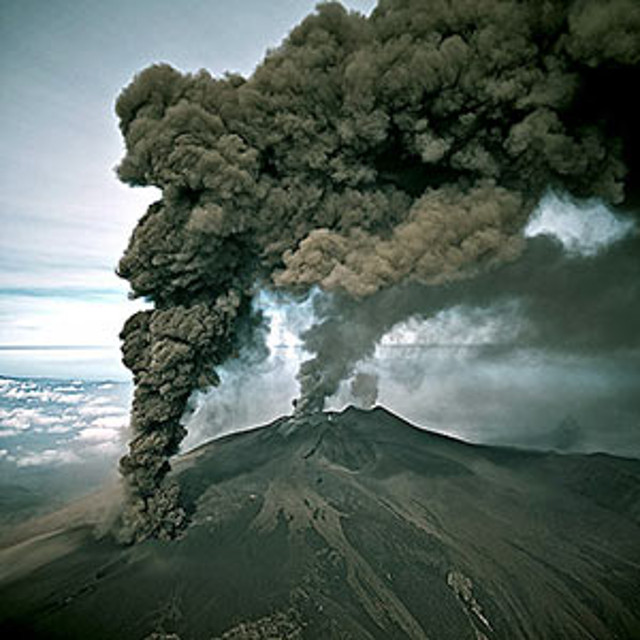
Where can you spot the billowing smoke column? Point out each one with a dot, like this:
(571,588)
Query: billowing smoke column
(364,156)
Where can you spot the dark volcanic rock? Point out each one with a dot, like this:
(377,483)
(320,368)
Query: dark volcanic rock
(355,525)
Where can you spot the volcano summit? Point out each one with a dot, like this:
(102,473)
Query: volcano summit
(351,525)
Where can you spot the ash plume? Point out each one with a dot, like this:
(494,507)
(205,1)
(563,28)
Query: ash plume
(364,389)
(364,156)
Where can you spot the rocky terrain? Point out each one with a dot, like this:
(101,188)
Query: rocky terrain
(347,525)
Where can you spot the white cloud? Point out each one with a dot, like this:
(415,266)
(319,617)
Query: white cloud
(102,410)
(583,228)
(460,326)
(74,419)
(287,319)
(107,448)
(59,429)
(47,457)
(26,392)
(23,418)
(110,422)
(98,434)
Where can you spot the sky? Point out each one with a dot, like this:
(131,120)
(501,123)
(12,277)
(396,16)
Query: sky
(64,217)
(65,220)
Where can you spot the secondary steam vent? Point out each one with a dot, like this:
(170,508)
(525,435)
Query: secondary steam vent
(363,154)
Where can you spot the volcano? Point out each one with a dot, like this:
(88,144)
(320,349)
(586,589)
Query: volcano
(349,525)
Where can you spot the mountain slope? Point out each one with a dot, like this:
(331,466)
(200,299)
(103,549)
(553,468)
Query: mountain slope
(356,525)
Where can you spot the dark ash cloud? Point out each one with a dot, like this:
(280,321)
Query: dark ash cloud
(364,155)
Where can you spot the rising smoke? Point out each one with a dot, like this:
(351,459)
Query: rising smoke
(367,157)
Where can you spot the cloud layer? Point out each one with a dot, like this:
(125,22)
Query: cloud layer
(45,422)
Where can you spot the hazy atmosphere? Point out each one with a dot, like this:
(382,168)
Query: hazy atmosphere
(540,353)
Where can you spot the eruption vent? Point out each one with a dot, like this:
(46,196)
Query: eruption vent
(363,156)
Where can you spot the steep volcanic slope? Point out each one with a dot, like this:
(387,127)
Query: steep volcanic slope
(355,525)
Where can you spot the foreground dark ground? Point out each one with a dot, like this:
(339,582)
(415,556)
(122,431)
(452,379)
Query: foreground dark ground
(350,525)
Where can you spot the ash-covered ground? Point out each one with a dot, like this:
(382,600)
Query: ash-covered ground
(348,525)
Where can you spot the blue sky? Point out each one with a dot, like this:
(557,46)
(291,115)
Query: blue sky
(64,217)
